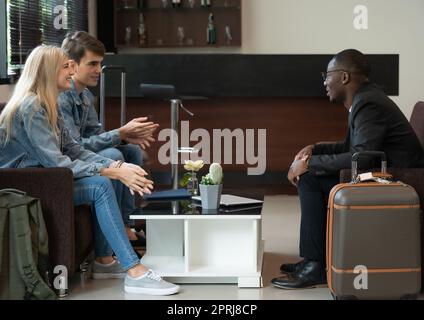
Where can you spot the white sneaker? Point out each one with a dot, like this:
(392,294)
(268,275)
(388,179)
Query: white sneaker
(113,270)
(150,283)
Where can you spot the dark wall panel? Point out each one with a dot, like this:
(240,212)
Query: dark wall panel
(291,123)
(229,75)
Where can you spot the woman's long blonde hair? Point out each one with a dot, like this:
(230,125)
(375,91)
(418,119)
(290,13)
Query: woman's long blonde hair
(38,80)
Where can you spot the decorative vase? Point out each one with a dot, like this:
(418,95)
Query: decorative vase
(210,196)
(192,184)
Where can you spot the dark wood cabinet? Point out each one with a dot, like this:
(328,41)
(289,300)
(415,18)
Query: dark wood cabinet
(177,23)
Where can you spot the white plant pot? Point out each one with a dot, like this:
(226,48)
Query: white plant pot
(211,196)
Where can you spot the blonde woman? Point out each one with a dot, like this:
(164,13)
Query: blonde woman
(33,135)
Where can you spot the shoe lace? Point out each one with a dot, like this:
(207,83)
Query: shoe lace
(153,275)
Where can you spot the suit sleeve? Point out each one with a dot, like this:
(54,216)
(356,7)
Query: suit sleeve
(329,148)
(368,131)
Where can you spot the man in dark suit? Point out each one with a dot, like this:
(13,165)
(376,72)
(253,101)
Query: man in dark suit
(375,124)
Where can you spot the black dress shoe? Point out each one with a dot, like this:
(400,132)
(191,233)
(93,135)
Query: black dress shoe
(311,275)
(291,267)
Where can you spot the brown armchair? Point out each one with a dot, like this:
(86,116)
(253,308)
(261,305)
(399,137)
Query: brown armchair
(69,228)
(412,176)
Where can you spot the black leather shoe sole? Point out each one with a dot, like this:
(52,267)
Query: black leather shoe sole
(291,282)
(290,287)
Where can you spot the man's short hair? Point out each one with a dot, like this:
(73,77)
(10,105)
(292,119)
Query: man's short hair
(354,61)
(76,43)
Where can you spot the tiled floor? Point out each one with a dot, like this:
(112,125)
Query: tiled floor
(281,218)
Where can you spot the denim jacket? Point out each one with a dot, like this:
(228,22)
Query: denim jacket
(82,121)
(34,144)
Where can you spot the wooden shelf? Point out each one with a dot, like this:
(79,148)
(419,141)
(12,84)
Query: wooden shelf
(164,26)
(185,10)
(185,4)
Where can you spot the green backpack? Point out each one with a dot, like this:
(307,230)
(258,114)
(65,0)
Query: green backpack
(23,247)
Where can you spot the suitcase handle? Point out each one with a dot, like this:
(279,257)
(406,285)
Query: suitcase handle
(357,155)
(103,95)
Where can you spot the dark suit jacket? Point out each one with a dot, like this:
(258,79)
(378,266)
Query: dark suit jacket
(375,124)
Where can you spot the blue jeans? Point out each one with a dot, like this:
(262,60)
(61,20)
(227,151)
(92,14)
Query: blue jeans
(132,154)
(109,230)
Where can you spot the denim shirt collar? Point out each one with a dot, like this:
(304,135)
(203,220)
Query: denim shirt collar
(79,99)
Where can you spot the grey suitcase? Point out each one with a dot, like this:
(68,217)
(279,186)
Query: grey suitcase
(373,239)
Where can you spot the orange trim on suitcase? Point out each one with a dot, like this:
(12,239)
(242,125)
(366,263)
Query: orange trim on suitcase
(403,270)
(404,206)
(329,251)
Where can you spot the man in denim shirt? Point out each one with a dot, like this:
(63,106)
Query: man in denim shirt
(77,108)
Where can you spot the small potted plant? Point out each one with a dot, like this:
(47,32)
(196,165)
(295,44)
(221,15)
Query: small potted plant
(211,187)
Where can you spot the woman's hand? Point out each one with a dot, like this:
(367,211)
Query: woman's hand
(133,176)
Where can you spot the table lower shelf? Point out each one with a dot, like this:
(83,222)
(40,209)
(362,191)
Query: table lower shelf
(175,269)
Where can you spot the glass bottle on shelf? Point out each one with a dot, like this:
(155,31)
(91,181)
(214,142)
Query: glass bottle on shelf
(142,31)
(211,30)
(180,35)
(192,3)
(129,4)
(128,36)
(205,3)
(193,184)
(165,4)
(176,3)
(228,35)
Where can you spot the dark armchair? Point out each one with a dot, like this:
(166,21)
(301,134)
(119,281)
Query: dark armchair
(69,228)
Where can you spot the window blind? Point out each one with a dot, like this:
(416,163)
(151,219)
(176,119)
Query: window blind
(32,22)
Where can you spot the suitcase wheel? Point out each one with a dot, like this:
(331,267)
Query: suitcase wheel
(335,297)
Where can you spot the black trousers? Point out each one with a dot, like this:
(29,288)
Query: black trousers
(313,194)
